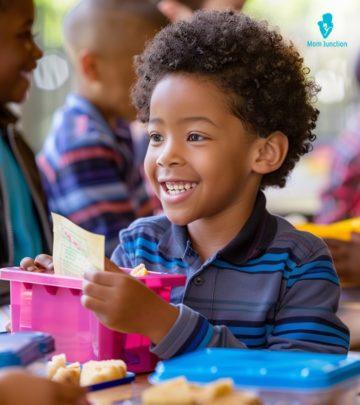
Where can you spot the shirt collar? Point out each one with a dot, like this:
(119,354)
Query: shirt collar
(253,238)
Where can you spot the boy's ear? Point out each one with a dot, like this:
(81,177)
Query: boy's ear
(270,152)
(88,65)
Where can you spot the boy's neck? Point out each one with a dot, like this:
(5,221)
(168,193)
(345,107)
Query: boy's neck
(209,235)
(108,116)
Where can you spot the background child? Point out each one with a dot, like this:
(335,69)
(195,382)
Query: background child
(229,110)
(87,163)
(341,198)
(24,228)
(183,9)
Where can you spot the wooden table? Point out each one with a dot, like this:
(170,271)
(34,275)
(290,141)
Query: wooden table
(120,393)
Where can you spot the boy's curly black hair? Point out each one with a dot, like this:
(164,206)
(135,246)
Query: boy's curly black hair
(267,83)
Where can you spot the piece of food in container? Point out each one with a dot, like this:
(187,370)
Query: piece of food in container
(58,361)
(95,372)
(139,271)
(69,374)
(91,372)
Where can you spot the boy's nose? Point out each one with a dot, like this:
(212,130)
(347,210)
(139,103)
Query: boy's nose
(37,52)
(169,156)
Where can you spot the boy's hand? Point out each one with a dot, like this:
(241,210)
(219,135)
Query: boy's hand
(41,264)
(346,256)
(21,388)
(125,304)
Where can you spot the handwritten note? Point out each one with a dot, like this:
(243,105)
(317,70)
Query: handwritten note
(75,249)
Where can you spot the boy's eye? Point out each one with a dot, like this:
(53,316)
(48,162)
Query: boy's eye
(27,35)
(194,137)
(155,138)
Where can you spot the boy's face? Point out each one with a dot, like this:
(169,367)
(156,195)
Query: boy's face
(117,77)
(116,67)
(18,52)
(199,159)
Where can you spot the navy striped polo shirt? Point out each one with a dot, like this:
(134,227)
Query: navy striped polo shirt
(272,287)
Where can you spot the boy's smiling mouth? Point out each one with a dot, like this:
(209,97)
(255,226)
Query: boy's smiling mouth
(26,75)
(177,190)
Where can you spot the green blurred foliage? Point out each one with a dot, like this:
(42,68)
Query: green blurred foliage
(281,12)
(49,15)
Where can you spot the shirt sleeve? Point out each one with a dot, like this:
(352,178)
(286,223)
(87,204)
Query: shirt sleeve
(191,332)
(305,318)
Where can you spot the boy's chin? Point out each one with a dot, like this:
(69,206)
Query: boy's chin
(176,219)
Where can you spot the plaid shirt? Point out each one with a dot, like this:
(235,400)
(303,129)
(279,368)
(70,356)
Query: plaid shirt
(89,173)
(341,198)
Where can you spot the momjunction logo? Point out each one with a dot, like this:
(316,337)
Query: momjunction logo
(326,27)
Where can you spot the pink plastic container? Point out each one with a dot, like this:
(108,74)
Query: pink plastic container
(51,304)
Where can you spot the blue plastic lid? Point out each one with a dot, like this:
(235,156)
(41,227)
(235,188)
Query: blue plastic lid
(23,348)
(262,368)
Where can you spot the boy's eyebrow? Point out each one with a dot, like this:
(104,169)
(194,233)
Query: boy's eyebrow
(185,119)
(198,118)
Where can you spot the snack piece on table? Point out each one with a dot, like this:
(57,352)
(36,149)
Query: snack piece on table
(139,271)
(173,392)
(180,392)
(69,374)
(94,372)
(57,361)
(236,398)
(218,388)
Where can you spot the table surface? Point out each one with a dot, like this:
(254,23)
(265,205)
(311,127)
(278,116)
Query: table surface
(122,393)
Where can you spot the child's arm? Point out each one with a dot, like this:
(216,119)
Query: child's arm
(21,388)
(305,318)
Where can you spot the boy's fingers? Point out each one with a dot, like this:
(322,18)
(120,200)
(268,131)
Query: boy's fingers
(93,304)
(100,277)
(45,261)
(97,291)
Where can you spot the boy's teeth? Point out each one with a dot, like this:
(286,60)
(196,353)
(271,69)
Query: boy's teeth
(176,188)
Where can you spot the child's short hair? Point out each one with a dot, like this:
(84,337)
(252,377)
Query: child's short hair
(265,78)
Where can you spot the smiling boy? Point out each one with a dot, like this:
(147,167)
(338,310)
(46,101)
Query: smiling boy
(229,110)
(24,229)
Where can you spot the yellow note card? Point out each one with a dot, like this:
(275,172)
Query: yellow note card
(75,249)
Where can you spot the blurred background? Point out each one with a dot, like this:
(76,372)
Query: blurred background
(297,20)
